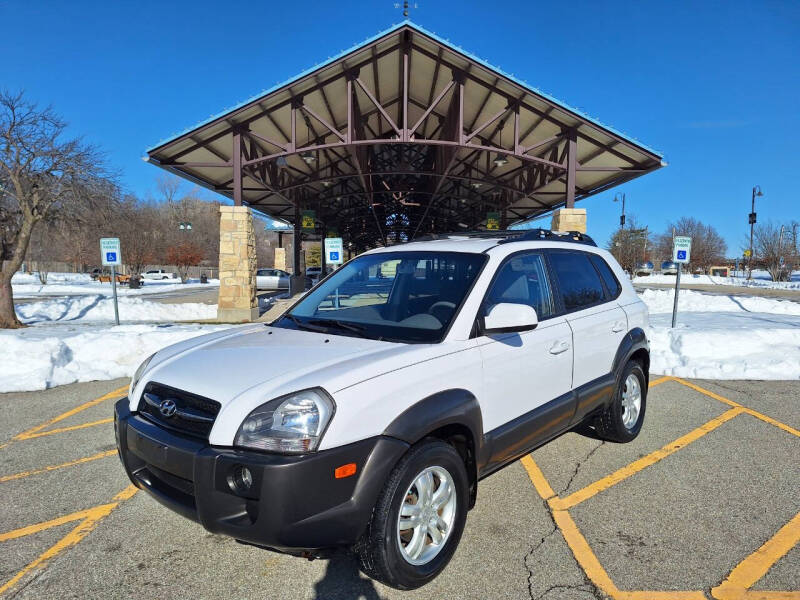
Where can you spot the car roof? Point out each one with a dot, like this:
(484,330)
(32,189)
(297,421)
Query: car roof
(478,243)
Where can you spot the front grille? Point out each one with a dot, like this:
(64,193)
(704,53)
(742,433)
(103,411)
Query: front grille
(190,414)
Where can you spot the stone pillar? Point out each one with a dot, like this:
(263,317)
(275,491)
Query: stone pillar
(280,258)
(237,265)
(569,219)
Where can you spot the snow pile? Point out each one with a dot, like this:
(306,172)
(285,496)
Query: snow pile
(723,337)
(661,301)
(101,308)
(75,284)
(761,279)
(37,358)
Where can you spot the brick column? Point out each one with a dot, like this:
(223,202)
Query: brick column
(569,219)
(237,265)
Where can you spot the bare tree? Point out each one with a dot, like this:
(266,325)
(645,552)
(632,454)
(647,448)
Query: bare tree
(630,245)
(708,246)
(771,243)
(40,172)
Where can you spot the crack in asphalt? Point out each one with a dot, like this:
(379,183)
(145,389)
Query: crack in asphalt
(588,585)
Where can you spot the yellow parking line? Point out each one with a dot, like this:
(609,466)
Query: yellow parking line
(660,380)
(70,428)
(644,462)
(36,431)
(755,566)
(749,411)
(89,519)
(586,558)
(71,463)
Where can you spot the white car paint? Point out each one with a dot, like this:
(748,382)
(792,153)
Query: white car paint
(272,279)
(372,382)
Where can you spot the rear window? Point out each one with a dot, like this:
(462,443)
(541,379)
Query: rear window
(612,284)
(578,281)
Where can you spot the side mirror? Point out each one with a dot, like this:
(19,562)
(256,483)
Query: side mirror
(506,317)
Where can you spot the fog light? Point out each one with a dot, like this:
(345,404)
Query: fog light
(241,479)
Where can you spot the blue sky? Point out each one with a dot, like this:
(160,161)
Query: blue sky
(712,85)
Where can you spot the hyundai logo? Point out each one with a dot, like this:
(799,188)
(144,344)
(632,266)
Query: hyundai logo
(167,407)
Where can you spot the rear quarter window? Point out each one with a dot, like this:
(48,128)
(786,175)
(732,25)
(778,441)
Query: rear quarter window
(579,284)
(612,283)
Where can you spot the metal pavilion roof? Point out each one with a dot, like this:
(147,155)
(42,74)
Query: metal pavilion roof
(404,133)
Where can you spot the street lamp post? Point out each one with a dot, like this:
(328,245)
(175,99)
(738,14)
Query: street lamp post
(752,219)
(622,216)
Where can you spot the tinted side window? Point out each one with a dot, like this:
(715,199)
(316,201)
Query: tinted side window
(522,280)
(612,284)
(578,280)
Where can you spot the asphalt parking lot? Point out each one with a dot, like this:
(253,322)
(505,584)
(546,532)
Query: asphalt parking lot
(704,504)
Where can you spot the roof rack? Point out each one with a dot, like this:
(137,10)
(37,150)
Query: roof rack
(515,235)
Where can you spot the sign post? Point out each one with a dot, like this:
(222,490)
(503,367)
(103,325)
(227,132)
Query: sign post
(111,255)
(681,253)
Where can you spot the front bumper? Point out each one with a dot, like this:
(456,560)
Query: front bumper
(295,503)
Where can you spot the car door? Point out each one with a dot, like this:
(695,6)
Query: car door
(598,323)
(263,279)
(526,376)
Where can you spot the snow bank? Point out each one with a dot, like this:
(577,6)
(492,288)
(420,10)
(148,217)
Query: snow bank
(761,279)
(723,337)
(37,358)
(101,308)
(75,284)
(660,301)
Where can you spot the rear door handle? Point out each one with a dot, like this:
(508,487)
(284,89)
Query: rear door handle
(559,347)
(618,326)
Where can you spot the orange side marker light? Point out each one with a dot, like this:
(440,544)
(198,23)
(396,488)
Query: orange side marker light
(345,471)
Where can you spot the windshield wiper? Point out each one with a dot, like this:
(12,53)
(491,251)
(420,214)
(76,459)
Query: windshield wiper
(357,329)
(305,326)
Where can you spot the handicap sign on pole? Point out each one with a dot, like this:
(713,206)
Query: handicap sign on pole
(681,253)
(111,256)
(334,251)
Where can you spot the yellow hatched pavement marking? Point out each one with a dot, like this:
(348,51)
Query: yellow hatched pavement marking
(737,585)
(644,462)
(71,463)
(88,518)
(754,567)
(745,409)
(38,430)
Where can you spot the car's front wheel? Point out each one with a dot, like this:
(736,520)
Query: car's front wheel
(418,519)
(622,420)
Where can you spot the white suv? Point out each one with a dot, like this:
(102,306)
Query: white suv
(365,416)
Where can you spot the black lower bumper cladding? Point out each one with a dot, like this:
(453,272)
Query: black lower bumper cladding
(294,503)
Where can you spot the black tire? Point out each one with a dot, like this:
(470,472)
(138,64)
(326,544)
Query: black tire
(378,550)
(609,425)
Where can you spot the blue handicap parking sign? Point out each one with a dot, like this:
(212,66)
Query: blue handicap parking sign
(334,255)
(681,254)
(111,257)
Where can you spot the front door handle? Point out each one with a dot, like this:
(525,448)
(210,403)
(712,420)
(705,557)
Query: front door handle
(618,326)
(559,347)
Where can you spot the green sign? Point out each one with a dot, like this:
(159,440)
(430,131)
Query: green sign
(308,222)
(493,220)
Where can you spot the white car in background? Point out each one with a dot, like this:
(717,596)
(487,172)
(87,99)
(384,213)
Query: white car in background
(158,274)
(367,414)
(272,279)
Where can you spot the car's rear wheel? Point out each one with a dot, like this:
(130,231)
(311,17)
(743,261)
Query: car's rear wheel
(622,420)
(418,519)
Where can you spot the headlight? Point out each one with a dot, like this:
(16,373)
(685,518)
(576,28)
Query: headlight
(290,424)
(139,372)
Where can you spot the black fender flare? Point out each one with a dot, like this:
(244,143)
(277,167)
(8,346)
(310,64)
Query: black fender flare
(634,340)
(449,407)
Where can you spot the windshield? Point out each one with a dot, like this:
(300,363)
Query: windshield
(394,296)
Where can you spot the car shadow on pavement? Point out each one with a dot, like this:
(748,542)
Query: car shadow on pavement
(343,580)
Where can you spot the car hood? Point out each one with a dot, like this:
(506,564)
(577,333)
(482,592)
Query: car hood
(273,360)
